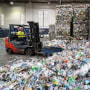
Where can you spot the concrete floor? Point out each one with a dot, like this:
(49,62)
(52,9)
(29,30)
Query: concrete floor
(4,57)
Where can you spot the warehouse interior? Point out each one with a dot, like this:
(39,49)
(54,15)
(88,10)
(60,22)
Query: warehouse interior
(44,44)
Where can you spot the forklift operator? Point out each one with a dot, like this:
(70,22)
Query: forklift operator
(21,35)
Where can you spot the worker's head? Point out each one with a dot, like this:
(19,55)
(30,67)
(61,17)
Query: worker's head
(20,29)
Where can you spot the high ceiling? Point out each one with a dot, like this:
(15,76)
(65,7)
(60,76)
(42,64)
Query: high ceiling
(45,1)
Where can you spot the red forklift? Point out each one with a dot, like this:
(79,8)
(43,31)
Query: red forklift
(32,45)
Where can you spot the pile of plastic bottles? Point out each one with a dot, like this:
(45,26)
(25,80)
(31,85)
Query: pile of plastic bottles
(67,70)
(55,43)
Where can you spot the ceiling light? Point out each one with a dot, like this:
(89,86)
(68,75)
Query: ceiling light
(11,3)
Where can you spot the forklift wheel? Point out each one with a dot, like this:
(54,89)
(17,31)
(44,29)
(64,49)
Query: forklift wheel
(9,51)
(28,52)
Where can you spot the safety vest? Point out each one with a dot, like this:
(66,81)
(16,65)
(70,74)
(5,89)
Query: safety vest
(20,34)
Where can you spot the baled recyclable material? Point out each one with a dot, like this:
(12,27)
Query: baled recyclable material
(80,13)
(64,12)
(80,22)
(64,15)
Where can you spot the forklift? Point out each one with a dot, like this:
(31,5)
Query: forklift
(33,44)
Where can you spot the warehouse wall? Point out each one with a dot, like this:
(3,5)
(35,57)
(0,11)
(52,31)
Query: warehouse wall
(32,12)
(12,14)
(28,11)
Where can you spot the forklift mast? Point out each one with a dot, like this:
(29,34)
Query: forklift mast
(35,39)
(34,30)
